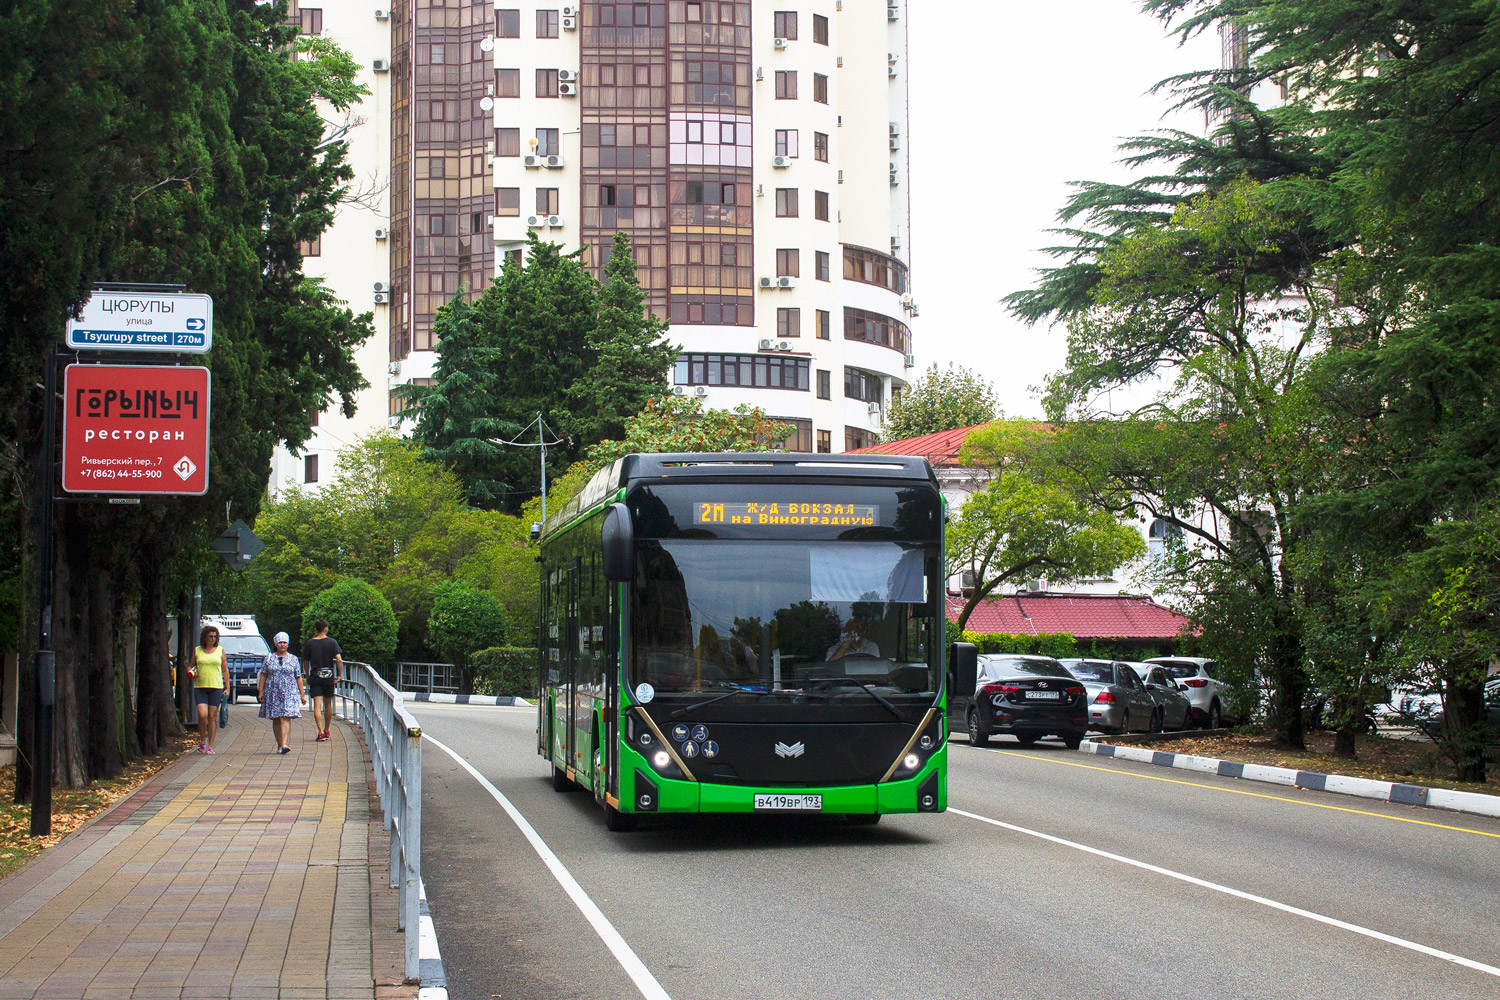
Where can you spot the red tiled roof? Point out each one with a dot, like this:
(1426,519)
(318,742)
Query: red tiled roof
(941,449)
(1084,616)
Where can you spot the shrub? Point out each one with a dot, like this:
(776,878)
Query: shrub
(505,670)
(359,617)
(465,619)
(1057,644)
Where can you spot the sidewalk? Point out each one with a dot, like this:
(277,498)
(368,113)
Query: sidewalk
(245,874)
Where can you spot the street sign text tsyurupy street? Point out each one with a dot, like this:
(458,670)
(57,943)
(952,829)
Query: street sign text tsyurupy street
(168,322)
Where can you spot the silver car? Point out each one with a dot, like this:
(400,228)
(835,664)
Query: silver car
(1176,710)
(1206,694)
(1118,699)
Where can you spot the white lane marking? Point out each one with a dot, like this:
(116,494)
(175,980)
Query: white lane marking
(624,954)
(1467,963)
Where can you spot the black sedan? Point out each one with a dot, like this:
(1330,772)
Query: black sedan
(1026,696)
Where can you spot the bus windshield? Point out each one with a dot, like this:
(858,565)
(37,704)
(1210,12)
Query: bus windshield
(786,616)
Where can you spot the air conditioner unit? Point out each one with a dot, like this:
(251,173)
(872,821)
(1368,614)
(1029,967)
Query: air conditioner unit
(381,286)
(894,179)
(780,43)
(678,390)
(536,220)
(895,143)
(892,13)
(760,74)
(532,160)
(786,281)
(393,422)
(911,361)
(394,368)
(381,14)
(785,345)
(552,160)
(381,65)
(895,128)
(567,90)
(906,301)
(381,298)
(768,282)
(380,233)
(895,243)
(569,11)
(874,409)
(554,221)
(781,161)
(569,23)
(700,391)
(765,343)
(567,75)
(891,70)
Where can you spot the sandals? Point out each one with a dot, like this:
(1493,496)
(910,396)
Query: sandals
(283,749)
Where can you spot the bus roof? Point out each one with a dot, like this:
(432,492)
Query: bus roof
(634,468)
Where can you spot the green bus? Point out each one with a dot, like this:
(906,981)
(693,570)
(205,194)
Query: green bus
(748,633)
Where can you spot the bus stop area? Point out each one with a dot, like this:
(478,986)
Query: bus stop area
(242,874)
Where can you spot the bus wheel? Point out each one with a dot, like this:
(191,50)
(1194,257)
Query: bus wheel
(616,821)
(560,781)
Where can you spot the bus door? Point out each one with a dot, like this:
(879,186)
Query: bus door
(611,656)
(571,666)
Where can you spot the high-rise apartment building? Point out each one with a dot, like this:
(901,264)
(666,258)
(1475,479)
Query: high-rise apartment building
(755,153)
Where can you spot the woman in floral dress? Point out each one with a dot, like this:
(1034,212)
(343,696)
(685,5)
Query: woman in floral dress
(280,677)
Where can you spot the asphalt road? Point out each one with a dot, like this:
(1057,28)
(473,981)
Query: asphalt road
(1054,874)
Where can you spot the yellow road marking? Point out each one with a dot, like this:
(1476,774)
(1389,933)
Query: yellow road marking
(1241,791)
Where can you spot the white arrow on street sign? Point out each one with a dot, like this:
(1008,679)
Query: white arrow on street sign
(166,322)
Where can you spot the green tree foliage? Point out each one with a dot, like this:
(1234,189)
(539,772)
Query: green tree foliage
(505,670)
(941,400)
(465,619)
(680,423)
(359,617)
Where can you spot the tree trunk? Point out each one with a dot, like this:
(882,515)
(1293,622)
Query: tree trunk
(1345,740)
(155,713)
(70,638)
(1464,724)
(104,729)
(125,647)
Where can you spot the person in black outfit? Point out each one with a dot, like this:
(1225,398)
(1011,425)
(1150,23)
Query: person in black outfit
(325,668)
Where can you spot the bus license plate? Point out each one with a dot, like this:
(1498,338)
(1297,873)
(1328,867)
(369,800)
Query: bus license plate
(793,803)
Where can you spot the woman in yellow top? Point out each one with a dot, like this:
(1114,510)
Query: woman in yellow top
(210,676)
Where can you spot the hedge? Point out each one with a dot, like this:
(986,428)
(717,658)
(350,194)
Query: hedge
(1058,644)
(505,670)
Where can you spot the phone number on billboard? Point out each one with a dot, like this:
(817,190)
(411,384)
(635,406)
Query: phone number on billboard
(120,473)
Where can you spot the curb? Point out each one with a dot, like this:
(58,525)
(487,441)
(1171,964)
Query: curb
(504,700)
(434,979)
(1384,791)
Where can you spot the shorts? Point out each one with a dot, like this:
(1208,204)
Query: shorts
(321,689)
(208,696)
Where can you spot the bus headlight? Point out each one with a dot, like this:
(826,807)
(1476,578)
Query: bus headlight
(661,759)
(912,762)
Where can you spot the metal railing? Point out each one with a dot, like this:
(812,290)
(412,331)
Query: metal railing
(395,742)
(439,678)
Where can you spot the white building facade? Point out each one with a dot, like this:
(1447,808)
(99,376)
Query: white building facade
(755,153)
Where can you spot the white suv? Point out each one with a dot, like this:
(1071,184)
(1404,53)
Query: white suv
(1205,694)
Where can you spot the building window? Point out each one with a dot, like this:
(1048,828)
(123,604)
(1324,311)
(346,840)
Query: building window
(820,206)
(1164,535)
(508,23)
(507,142)
(874,268)
(546,83)
(476,222)
(546,201)
(507,201)
(786,142)
(820,88)
(801,437)
(437,110)
(788,263)
(513,258)
(822,265)
(862,386)
(785,22)
(820,29)
(786,203)
(857,437)
(873,328)
(548,142)
(435,166)
(760,371)
(436,226)
(507,83)
(825,442)
(438,54)
(825,384)
(786,85)
(309,467)
(823,324)
(788,322)
(312,248)
(820,147)
(546,24)
(709,82)
(310,21)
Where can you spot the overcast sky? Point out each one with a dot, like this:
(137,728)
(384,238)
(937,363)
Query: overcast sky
(1010,102)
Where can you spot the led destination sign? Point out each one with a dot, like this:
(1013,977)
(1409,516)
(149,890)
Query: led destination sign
(786,512)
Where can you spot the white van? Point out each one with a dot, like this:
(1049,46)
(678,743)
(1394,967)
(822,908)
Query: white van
(244,648)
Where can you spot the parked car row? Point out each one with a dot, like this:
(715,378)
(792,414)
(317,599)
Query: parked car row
(1029,697)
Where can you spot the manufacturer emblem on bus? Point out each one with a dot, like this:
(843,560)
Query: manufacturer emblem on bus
(795,750)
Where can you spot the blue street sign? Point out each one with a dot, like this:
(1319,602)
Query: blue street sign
(166,322)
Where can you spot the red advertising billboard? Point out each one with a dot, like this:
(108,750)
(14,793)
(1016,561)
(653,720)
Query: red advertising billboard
(135,429)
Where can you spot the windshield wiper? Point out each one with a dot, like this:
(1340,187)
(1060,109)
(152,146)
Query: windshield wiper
(850,682)
(679,713)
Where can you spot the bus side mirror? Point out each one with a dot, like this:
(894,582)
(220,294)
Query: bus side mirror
(963,668)
(618,542)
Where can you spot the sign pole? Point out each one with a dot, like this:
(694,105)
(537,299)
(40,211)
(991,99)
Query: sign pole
(46,658)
